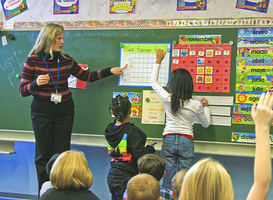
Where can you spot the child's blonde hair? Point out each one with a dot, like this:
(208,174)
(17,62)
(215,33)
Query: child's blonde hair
(71,171)
(207,180)
(144,187)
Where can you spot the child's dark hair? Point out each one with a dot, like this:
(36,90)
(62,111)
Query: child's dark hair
(181,87)
(120,107)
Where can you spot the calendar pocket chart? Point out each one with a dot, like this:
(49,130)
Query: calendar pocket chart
(209,65)
(140,58)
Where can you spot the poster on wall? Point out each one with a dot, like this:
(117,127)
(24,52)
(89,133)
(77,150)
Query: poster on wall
(253,5)
(153,108)
(12,8)
(122,6)
(183,5)
(136,102)
(65,7)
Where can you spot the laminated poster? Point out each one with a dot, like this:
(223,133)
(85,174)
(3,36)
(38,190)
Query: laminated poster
(65,7)
(12,8)
(153,108)
(136,100)
(253,5)
(184,5)
(122,6)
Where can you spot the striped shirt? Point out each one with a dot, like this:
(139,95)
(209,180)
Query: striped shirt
(35,66)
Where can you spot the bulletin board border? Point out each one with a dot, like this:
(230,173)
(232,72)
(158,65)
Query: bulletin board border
(147,23)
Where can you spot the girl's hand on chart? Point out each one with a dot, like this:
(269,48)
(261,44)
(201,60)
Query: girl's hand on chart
(159,55)
(117,70)
(42,79)
(204,102)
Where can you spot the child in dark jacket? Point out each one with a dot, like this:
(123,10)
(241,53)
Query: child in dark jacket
(126,144)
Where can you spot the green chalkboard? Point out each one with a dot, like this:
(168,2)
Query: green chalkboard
(98,49)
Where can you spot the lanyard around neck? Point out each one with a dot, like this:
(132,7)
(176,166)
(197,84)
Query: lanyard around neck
(55,85)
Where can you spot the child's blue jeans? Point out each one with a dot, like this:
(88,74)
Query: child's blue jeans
(117,181)
(177,152)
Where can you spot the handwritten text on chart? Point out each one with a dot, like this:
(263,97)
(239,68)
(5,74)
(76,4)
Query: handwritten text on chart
(8,64)
(140,33)
(143,48)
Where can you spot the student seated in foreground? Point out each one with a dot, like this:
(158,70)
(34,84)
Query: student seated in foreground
(155,166)
(71,178)
(143,187)
(177,181)
(208,179)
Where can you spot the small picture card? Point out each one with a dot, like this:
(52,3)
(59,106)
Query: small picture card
(208,79)
(199,79)
(200,61)
(175,52)
(184,52)
(175,61)
(209,70)
(209,53)
(200,70)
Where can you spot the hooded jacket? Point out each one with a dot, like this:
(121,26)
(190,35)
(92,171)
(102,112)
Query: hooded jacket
(136,140)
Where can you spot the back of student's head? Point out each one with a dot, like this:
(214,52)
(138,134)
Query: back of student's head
(151,164)
(181,87)
(207,180)
(71,171)
(177,181)
(120,107)
(143,187)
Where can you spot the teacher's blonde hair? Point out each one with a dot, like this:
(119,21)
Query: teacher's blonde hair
(71,171)
(207,180)
(47,39)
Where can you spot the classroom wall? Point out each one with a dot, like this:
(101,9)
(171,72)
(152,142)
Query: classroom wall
(17,171)
(145,9)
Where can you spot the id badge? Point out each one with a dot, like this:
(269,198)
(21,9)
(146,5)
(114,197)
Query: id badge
(56,98)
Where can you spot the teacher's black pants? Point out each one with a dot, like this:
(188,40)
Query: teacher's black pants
(52,135)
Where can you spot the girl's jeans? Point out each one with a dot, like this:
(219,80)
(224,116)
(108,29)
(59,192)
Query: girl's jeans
(177,152)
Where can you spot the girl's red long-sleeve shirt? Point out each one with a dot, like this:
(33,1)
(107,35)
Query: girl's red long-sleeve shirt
(35,66)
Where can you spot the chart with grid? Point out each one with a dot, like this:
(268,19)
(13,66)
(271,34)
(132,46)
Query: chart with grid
(140,58)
